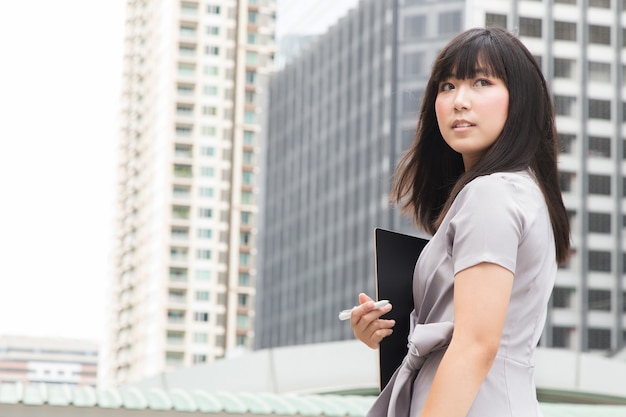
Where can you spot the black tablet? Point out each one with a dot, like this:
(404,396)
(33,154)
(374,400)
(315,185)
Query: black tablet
(396,255)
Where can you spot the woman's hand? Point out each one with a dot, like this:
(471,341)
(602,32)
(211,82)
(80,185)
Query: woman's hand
(366,323)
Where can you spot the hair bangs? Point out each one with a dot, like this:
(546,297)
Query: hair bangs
(472,55)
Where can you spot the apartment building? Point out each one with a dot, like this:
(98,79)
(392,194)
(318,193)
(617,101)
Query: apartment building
(341,114)
(48,360)
(184,265)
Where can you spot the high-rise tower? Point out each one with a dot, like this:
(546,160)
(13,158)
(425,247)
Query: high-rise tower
(184,266)
(342,112)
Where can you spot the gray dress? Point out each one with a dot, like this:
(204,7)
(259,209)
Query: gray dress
(502,219)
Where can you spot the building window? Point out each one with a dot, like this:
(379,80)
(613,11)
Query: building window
(253,17)
(600,72)
(183,130)
(207,151)
(566,142)
(561,337)
(241,340)
(411,101)
(250,77)
(248,137)
(181,191)
(246,218)
(203,275)
(203,254)
(247,197)
(174,358)
(184,89)
(212,50)
(249,116)
(600,222)
(245,238)
(201,316)
(244,259)
(413,64)
(530,27)
(209,110)
(198,358)
(561,297)
(599,300)
(210,90)
(179,232)
(242,321)
(599,109)
(209,131)
(599,339)
(244,279)
(600,35)
(251,58)
(200,338)
(186,49)
(178,254)
(212,30)
(599,261)
(175,316)
(599,147)
(183,151)
(205,212)
(206,192)
(565,180)
(565,31)
(564,105)
(248,177)
(178,274)
(243,300)
(207,171)
(248,157)
(213,9)
(187,30)
(202,296)
(599,184)
(250,97)
(492,19)
(564,68)
(204,233)
(211,70)
(449,22)
(414,27)
(180,212)
(189,8)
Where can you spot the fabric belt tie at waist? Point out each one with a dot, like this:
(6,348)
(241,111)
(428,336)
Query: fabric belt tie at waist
(395,399)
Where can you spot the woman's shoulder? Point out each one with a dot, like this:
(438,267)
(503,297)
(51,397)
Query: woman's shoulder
(517,190)
(503,183)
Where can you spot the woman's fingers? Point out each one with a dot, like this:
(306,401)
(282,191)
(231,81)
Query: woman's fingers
(368,326)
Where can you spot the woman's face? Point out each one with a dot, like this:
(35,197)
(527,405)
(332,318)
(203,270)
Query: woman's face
(471,113)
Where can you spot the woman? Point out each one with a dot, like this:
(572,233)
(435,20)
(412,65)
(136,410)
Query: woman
(481,176)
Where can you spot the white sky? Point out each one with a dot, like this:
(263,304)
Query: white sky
(60,75)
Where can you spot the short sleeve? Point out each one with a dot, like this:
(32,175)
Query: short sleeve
(487,225)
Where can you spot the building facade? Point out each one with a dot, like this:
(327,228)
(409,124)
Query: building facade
(184,265)
(333,138)
(341,114)
(33,360)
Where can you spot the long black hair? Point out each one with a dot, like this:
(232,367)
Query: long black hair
(430,174)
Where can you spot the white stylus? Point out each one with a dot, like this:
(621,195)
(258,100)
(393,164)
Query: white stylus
(345,314)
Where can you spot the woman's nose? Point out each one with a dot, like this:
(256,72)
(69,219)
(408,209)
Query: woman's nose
(461,99)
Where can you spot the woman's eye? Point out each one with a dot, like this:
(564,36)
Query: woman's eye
(482,83)
(446,87)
